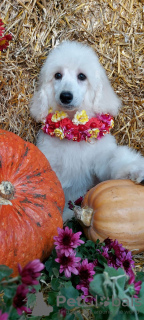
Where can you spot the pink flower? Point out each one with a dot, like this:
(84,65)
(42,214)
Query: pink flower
(31,272)
(63,312)
(127,261)
(3,316)
(117,256)
(66,241)
(86,272)
(20,299)
(78,201)
(136,286)
(68,264)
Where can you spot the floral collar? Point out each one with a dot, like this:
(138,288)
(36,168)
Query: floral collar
(79,128)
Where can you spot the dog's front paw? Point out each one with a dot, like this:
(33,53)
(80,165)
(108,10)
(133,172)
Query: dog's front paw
(134,172)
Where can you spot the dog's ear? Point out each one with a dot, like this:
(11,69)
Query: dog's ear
(106,100)
(39,104)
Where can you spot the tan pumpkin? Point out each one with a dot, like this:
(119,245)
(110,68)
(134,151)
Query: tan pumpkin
(31,202)
(114,209)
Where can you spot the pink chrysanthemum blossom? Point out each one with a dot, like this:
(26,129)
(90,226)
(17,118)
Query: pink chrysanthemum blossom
(66,241)
(31,272)
(117,256)
(136,286)
(127,261)
(19,301)
(63,312)
(68,264)
(86,273)
(3,316)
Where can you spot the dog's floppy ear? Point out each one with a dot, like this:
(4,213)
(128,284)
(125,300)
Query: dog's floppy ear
(39,104)
(106,100)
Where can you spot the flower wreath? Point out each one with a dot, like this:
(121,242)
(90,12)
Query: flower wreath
(79,128)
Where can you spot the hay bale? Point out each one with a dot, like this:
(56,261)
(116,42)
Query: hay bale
(113,28)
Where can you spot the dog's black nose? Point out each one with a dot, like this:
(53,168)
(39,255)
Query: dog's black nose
(66,97)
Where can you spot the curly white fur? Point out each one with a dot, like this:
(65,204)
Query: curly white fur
(79,165)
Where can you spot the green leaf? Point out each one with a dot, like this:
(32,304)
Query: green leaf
(48,264)
(9,292)
(13,314)
(55,283)
(125,314)
(56,271)
(52,316)
(100,314)
(90,244)
(141,294)
(70,316)
(102,260)
(52,298)
(125,299)
(112,272)
(5,272)
(96,285)
(139,276)
(69,295)
(113,309)
(139,302)
(78,316)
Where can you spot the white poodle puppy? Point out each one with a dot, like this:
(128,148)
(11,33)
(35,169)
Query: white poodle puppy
(72,80)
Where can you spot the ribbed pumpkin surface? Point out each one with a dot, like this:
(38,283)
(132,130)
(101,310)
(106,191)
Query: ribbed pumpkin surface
(118,213)
(28,225)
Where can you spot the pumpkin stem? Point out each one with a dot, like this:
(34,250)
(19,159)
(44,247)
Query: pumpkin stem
(6,192)
(84,215)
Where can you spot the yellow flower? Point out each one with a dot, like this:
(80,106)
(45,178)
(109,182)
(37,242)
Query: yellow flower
(59,133)
(112,123)
(50,110)
(94,133)
(80,118)
(59,115)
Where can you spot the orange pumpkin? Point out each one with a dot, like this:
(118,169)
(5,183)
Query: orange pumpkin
(114,209)
(31,202)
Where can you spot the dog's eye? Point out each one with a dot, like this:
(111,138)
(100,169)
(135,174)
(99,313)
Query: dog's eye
(58,76)
(81,76)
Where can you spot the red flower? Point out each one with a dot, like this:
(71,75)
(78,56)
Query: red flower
(66,123)
(95,123)
(78,132)
(4,41)
(77,135)
(83,127)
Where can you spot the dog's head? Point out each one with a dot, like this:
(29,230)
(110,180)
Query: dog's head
(72,79)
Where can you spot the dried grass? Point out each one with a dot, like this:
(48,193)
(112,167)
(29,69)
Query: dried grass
(113,28)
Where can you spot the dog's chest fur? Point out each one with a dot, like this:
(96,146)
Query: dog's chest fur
(70,159)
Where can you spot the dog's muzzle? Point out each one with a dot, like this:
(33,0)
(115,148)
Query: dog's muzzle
(66,97)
